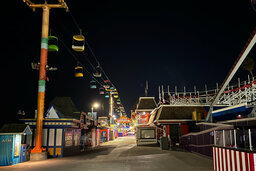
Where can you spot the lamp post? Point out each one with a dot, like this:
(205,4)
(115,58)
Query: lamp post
(95,105)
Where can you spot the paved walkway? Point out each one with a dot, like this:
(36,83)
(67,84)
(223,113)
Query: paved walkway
(121,155)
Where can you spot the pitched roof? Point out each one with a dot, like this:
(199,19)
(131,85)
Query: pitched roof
(153,116)
(146,103)
(65,107)
(168,112)
(135,106)
(15,128)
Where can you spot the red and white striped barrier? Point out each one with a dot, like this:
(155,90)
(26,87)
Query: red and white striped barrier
(233,160)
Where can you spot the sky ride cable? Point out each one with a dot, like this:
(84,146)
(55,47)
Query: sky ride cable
(93,54)
(90,49)
(74,20)
(77,60)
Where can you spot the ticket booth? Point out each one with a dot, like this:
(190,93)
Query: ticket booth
(12,149)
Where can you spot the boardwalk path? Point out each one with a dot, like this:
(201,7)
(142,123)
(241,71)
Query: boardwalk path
(121,155)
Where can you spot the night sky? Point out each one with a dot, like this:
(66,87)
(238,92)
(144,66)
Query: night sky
(183,43)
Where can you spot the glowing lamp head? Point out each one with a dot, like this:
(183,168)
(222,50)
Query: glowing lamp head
(96,105)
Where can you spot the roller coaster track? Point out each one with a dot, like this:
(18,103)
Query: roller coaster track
(221,96)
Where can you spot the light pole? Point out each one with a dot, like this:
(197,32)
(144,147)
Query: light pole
(95,105)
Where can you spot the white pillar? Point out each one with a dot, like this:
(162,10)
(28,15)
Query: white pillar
(250,139)
(230,134)
(235,137)
(214,134)
(223,136)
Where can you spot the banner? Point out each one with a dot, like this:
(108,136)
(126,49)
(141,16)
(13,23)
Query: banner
(123,120)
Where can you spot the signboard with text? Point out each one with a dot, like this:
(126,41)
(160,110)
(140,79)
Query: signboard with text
(123,120)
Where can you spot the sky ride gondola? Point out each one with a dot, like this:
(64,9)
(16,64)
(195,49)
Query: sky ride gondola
(78,43)
(106,81)
(107,95)
(112,88)
(97,72)
(101,91)
(93,84)
(106,86)
(53,44)
(79,71)
(115,95)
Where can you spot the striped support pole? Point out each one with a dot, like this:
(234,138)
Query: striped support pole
(233,160)
(41,83)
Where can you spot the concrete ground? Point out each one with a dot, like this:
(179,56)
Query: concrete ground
(121,154)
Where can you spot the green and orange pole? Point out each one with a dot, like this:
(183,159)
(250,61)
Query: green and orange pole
(42,69)
(41,83)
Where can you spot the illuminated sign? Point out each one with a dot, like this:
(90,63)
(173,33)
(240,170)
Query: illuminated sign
(17,145)
(123,120)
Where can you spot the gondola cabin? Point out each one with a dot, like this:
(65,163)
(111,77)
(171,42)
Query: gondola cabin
(97,72)
(115,95)
(112,89)
(107,95)
(79,71)
(106,86)
(78,43)
(101,91)
(93,84)
(53,44)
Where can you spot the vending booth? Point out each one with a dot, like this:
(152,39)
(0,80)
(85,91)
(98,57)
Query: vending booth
(12,143)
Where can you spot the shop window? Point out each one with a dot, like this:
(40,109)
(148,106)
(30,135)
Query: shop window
(147,133)
(68,138)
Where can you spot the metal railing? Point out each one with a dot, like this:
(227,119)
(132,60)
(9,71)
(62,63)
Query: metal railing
(200,143)
(203,141)
(242,92)
(236,138)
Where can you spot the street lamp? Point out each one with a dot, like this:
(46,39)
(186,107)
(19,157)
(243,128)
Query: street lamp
(95,105)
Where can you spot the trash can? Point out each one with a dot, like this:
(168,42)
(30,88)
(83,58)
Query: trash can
(164,143)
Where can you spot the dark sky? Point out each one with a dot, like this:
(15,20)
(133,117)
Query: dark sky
(183,43)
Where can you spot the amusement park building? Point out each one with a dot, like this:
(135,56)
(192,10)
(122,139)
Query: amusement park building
(142,109)
(65,130)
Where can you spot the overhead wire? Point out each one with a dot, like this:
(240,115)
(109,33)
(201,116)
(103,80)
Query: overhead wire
(80,30)
(93,54)
(74,20)
(90,49)
(76,59)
